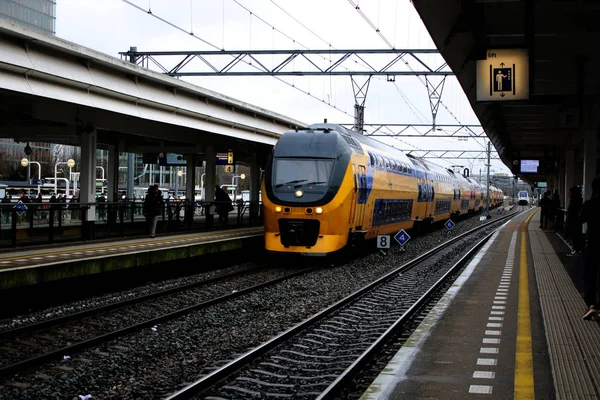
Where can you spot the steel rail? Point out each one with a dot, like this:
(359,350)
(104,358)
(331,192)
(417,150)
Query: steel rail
(30,328)
(345,377)
(209,380)
(28,363)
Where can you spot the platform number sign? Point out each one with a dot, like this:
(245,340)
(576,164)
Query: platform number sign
(449,224)
(402,237)
(383,241)
(20,208)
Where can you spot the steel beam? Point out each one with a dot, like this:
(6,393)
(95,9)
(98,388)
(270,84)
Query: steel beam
(449,154)
(422,130)
(316,62)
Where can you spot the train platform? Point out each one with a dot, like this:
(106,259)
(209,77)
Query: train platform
(510,327)
(27,267)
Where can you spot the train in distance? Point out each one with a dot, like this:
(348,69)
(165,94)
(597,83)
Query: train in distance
(326,187)
(523,198)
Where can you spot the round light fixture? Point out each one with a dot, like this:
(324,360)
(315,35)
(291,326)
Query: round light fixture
(70,163)
(243,176)
(180,173)
(24,162)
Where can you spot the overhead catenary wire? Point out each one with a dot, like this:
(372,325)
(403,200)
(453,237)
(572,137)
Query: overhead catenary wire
(378,31)
(217,48)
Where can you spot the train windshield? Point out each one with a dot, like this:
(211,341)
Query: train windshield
(297,172)
(523,194)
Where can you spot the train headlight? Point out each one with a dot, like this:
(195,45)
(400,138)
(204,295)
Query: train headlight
(277,209)
(319,210)
(298,193)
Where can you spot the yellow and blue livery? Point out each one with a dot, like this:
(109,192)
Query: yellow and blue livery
(325,187)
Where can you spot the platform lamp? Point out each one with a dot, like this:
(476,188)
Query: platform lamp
(179,175)
(26,163)
(28,151)
(70,163)
(242,177)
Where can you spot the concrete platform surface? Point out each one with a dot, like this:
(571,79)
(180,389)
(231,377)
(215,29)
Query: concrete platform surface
(509,328)
(29,266)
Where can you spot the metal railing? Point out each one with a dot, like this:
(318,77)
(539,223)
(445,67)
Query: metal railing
(47,223)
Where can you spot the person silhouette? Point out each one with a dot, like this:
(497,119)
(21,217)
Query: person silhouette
(499,77)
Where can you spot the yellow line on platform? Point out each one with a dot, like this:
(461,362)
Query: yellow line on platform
(524,385)
(123,245)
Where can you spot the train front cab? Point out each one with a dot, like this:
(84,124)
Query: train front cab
(307,230)
(313,219)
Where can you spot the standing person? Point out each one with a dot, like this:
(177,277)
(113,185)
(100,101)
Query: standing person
(6,207)
(222,204)
(573,223)
(545,205)
(590,218)
(153,205)
(101,207)
(557,214)
(74,206)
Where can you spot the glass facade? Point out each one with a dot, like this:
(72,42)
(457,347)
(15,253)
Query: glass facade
(36,14)
(13,152)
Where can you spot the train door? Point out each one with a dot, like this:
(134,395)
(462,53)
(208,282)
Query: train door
(355,194)
(362,196)
(430,197)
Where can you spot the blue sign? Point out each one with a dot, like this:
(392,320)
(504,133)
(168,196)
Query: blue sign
(485,214)
(20,207)
(37,182)
(449,224)
(224,158)
(402,237)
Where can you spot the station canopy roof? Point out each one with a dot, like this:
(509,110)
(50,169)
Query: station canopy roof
(561,39)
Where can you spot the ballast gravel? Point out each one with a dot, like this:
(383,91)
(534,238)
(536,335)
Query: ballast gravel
(154,363)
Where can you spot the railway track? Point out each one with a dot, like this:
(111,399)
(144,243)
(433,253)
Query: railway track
(31,345)
(320,356)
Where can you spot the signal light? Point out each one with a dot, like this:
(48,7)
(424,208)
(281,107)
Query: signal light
(319,210)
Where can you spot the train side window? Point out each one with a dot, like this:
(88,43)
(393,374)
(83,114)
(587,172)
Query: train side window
(379,161)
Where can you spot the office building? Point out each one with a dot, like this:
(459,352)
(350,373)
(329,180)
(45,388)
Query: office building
(35,14)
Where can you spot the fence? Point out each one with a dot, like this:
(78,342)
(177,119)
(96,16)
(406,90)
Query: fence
(47,223)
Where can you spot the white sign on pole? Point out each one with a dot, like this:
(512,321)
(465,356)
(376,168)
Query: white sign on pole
(383,241)
(503,75)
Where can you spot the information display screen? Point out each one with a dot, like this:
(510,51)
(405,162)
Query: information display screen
(167,159)
(529,166)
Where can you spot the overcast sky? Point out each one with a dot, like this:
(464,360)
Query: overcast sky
(112,26)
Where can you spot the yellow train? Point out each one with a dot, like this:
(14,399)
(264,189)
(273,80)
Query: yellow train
(326,187)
